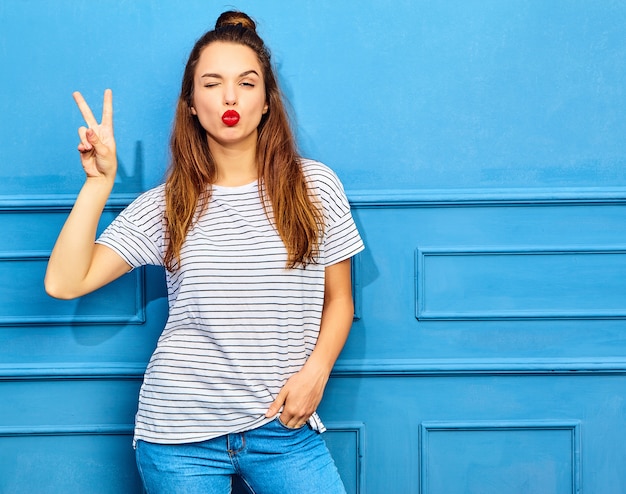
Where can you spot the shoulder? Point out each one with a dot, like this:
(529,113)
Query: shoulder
(155,195)
(152,200)
(320,176)
(324,184)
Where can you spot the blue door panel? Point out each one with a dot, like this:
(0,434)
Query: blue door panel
(433,369)
(86,462)
(429,429)
(454,430)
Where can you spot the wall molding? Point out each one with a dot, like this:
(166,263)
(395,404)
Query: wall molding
(347,368)
(358,429)
(73,430)
(355,272)
(26,431)
(63,371)
(66,312)
(441,306)
(571,426)
(487,196)
(599,366)
(48,203)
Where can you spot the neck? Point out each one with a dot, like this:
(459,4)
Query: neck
(235,165)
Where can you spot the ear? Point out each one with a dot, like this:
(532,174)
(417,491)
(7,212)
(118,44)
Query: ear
(193,110)
(266,108)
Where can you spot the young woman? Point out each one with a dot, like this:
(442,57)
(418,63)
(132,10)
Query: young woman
(256,243)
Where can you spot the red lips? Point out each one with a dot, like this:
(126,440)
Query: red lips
(230,117)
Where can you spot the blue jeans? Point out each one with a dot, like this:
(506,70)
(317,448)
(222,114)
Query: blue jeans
(271,459)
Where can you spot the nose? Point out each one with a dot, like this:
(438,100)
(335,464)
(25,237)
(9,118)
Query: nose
(230,95)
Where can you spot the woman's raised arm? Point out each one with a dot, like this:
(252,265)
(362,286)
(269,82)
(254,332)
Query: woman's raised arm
(77,265)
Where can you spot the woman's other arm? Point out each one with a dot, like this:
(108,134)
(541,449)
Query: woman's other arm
(303,392)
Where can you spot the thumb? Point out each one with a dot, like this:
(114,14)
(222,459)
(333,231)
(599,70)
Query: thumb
(276,406)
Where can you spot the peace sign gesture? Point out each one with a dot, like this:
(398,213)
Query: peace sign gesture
(97,143)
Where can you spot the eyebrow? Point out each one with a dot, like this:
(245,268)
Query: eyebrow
(243,74)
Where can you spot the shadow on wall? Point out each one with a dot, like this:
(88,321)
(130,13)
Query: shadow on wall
(133,183)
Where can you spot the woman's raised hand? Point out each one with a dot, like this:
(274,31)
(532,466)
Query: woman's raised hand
(97,143)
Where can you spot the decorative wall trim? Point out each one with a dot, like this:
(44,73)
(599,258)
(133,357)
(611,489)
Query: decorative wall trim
(344,368)
(478,367)
(511,278)
(74,430)
(571,426)
(53,312)
(68,371)
(487,196)
(56,203)
(381,198)
(356,285)
(358,428)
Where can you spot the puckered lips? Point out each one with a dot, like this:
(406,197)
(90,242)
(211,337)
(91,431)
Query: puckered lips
(230,117)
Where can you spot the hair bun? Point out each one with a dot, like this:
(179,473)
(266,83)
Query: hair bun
(234,18)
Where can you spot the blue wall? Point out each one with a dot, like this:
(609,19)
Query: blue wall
(482,145)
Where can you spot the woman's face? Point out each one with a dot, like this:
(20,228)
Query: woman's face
(229,94)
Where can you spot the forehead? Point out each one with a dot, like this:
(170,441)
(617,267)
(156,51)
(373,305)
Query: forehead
(227,59)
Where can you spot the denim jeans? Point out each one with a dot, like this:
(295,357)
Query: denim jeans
(271,459)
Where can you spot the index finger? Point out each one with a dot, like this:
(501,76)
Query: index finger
(85,110)
(107,108)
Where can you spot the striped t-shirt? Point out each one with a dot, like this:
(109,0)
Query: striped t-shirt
(240,323)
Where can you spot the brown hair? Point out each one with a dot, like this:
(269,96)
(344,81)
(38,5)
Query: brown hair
(298,221)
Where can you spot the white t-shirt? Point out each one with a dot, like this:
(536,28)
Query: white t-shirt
(240,323)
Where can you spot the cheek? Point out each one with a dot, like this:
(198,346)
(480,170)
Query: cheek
(204,112)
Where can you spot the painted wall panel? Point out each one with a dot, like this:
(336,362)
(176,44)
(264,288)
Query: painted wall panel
(60,401)
(118,303)
(500,457)
(570,320)
(386,449)
(388,347)
(346,443)
(554,414)
(85,462)
(512,284)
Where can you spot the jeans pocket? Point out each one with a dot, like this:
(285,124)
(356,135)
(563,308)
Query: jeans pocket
(286,427)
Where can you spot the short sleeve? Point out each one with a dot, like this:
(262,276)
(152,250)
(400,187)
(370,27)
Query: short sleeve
(137,233)
(341,237)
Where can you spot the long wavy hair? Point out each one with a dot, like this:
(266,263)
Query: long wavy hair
(282,184)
